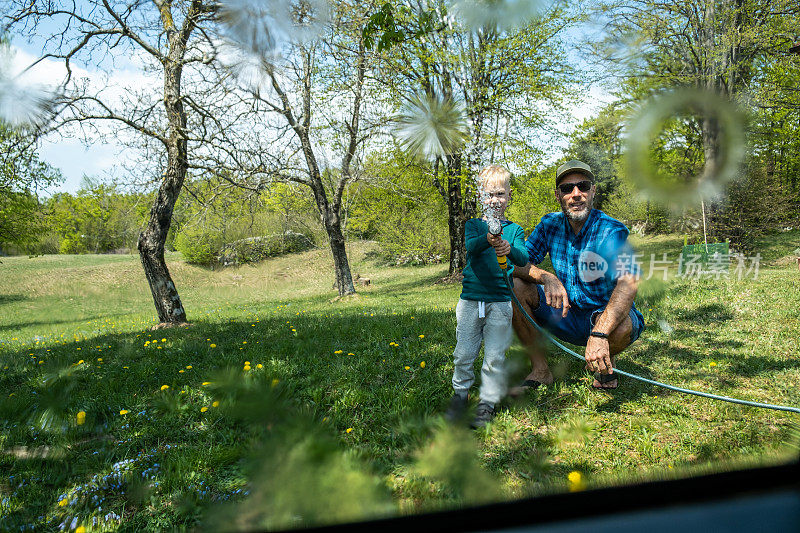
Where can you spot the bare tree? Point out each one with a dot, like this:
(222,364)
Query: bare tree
(171,36)
(305,110)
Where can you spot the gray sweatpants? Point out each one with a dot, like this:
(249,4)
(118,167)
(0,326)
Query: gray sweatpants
(494,328)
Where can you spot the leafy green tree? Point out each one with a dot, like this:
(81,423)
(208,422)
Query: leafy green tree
(400,209)
(733,48)
(22,177)
(99,218)
(508,80)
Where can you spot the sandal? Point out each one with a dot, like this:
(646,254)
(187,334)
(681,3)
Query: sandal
(606,378)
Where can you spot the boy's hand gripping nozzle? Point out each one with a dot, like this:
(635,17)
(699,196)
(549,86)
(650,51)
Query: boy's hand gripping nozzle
(496,228)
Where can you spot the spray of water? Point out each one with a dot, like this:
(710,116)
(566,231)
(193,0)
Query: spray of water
(21,105)
(654,183)
(262,26)
(431,127)
(504,15)
(491,214)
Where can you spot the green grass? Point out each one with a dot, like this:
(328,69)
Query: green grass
(331,436)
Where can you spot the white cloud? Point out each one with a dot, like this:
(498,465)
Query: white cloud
(66,151)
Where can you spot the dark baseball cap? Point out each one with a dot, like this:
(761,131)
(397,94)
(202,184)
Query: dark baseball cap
(571,167)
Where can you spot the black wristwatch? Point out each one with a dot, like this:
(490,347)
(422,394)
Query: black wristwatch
(599,334)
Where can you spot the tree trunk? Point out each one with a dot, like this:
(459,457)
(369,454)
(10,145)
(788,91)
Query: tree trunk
(344,279)
(152,239)
(455,216)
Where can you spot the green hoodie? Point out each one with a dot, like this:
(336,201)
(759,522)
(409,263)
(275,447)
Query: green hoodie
(483,279)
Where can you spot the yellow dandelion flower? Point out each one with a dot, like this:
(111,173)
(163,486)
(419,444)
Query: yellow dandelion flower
(350,353)
(422,336)
(164,387)
(80,529)
(244,342)
(275,381)
(100,359)
(181,371)
(63,503)
(188,367)
(80,362)
(206,383)
(81,417)
(246,367)
(407,367)
(576,482)
(212,345)
(124,411)
(712,363)
(203,409)
(259,365)
(215,404)
(338,351)
(126,367)
(422,364)
(348,430)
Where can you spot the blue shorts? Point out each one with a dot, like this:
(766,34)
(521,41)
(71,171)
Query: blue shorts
(576,326)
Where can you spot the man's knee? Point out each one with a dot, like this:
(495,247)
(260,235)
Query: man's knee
(620,338)
(528,297)
(527,294)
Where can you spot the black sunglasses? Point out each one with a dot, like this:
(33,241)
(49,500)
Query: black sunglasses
(582,186)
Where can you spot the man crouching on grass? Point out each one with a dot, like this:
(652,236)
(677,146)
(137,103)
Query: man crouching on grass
(589,300)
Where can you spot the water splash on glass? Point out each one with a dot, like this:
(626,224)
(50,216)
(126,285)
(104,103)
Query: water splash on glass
(505,15)
(677,191)
(490,213)
(22,105)
(262,26)
(431,127)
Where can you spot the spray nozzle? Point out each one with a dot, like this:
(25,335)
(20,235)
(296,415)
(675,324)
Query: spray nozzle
(495,227)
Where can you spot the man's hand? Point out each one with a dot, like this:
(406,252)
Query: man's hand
(598,357)
(555,294)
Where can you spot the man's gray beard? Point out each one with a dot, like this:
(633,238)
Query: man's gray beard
(577,217)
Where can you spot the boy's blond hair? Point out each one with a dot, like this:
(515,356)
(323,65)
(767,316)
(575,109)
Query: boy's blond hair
(495,175)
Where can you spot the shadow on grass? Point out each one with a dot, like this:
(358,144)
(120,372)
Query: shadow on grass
(401,288)
(362,374)
(22,325)
(12,298)
(706,314)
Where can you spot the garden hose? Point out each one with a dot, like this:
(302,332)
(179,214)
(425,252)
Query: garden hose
(552,339)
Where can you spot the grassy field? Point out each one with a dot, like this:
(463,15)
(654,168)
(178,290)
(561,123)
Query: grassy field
(280,406)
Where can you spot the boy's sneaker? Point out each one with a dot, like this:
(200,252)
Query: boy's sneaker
(483,415)
(457,408)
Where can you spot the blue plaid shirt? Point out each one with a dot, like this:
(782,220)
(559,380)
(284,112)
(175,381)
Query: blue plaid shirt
(587,264)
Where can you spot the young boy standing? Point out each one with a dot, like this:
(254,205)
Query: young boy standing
(484,310)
